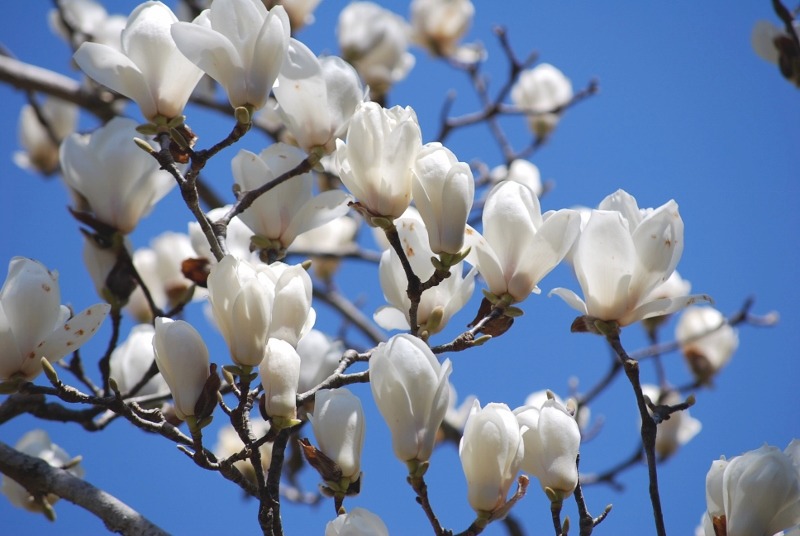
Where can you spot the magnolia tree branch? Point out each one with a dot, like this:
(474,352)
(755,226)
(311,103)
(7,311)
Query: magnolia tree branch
(41,479)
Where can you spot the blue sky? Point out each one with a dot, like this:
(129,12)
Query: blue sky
(686,111)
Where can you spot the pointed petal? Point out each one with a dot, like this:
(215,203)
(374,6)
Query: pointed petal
(662,307)
(69,337)
(213,53)
(316,212)
(572,299)
(390,318)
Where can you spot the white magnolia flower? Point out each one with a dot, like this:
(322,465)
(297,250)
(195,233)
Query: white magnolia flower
(411,391)
(40,142)
(301,12)
(239,44)
(316,97)
(375,41)
(439,303)
(676,431)
(376,160)
(149,69)
(182,359)
(707,341)
(758,493)
(229,443)
(537,400)
(621,256)
(131,360)
(521,171)
(552,441)
(120,182)
(89,21)
(520,245)
(357,522)
(34,324)
(542,92)
(280,375)
(160,267)
(319,357)
(290,208)
(443,190)
(37,443)
(337,237)
(237,238)
(456,416)
(491,452)
(338,424)
(439,25)
(252,303)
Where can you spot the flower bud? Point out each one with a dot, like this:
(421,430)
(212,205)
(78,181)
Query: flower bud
(41,150)
(542,92)
(707,341)
(439,25)
(338,424)
(357,522)
(280,374)
(131,360)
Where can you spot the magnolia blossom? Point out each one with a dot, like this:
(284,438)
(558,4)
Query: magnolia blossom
(376,160)
(357,522)
(774,45)
(411,391)
(37,443)
(337,237)
(41,141)
(552,441)
(131,360)
(120,182)
(239,44)
(290,208)
(375,41)
(182,359)
(542,92)
(319,357)
(253,303)
(439,25)
(338,424)
(491,452)
(757,493)
(89,22)
(229,443)
(301,12)
(280,374)
(521,171)
(537,400)
(676,431)
(237,237)
(520,245)
(443,190)
(34,324)
(707,341)
(316,97)
(149,69)
(439,303)
(622,255)
(160,267)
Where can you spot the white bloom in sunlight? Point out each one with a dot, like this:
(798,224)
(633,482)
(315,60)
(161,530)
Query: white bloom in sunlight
(229,443)
(338,424)
(357,522)
(676,431)
(622,255)
(120,182)
(537,399)
(519,245)
(182,359)
(542,92)
(90,22)
(375,41)
(239,44)
(337,237)
(237,238)
(757,493)
(376,159)
(674,287)
(290,208)
(160,267)
(280,374)
(301,12)
(132,359)
(316,97)
(707,341)
(149,69)
(443,189)
(439,303)
(491,451)
(439,25)
(411,391)
(521,171)
(40,144)
(34,324)
(37,443)
(319,357)
(552,441)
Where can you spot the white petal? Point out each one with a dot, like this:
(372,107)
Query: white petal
(74,333)
(572,299)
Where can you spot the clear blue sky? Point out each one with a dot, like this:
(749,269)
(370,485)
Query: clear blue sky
(686,111)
